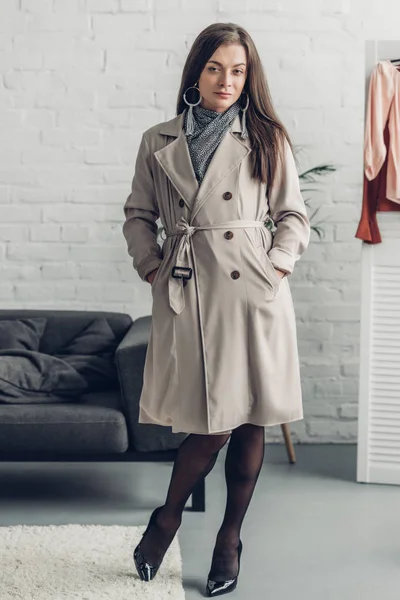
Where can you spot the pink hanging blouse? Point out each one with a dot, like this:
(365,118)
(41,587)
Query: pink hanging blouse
(383,107)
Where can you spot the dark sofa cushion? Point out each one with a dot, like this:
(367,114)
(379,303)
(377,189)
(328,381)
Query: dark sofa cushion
(92,354)
(21,333)
(27,377)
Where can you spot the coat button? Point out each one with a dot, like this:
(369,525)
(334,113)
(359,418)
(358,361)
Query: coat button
(228,235)
(181,202)
(227,196)
(235,274)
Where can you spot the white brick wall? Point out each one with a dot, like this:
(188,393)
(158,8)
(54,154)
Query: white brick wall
(81,79)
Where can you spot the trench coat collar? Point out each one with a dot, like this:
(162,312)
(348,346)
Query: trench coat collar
(175,160)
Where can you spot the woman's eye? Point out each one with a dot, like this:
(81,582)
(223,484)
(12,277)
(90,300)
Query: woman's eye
(214,68)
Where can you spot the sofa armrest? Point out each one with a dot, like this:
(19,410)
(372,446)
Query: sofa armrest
(130,358)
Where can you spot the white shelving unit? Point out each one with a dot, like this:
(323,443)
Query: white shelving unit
(378,451)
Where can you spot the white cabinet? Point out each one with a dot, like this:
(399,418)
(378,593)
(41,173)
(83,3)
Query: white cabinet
(378,459)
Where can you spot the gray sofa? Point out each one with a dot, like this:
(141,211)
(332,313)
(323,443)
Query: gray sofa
(99,425)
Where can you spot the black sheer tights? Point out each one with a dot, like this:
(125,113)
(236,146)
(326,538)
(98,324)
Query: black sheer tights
(195,459)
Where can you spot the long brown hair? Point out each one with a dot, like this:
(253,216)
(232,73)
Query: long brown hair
(266,131)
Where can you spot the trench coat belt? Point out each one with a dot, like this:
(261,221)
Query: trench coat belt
(182,255)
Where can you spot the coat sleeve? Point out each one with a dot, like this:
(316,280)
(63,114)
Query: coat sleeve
(289,213)
(380,96)
(141,213)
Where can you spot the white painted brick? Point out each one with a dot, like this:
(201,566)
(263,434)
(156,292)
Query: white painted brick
(5,194)
(74,23)
(327,430)
(143,5)
(100,272)
(322,408)
(41,43)
(346,331)
(74,233)
(124,98)
(37,291)
(45,233)
(182,21)
(65,291)
(340,312)
(20,195)
(321,370)
(109,232)
(64,174)
(46,155)
(68,99)
(14,233)
(334,272)
(351,294)
(56,271)
(208,6)
(102,156)
(20,60)
(18,214)
(37,252)
(70,213)
(88,53)
(65,137)
(122,26)
(319,293)
(88,290)
(327,388)
(309,348)
(351,369)
(36,7)
(104,194)
(107,6)
(344,233)
(10,119)
(350,387)
(113,293)
(71,7)
(314,331)
(342,351)
(7,291)
(16,21)
(9,156)
(348,411)
(96,253)
(11,272)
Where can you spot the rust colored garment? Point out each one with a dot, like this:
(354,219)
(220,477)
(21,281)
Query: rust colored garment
(381,182)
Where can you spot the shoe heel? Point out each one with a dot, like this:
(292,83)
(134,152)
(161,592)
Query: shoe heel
(218,588)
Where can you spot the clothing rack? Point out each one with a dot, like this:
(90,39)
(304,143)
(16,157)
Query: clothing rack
(378,450)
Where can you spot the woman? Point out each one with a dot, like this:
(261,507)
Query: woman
(222,356)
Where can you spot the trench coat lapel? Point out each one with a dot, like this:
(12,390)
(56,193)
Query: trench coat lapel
(175,160)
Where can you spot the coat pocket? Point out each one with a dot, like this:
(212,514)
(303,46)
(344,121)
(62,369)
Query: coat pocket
(266,261)
(261,253)
(156,278)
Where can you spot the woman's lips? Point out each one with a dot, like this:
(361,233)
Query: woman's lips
(223,95)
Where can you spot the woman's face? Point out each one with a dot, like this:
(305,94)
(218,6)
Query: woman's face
(224,72)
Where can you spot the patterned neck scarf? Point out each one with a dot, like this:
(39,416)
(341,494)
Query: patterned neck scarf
(210,127)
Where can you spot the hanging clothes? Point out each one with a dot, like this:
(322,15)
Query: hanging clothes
(381,183)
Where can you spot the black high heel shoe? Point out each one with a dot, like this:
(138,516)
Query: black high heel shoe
(217,588)
(146,571)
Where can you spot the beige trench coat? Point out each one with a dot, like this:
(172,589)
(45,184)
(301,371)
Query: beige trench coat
(223,344)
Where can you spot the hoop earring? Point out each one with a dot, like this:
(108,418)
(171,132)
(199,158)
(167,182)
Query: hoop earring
(190,122)
(245,133)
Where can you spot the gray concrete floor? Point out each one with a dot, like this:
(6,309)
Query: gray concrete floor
(311,530)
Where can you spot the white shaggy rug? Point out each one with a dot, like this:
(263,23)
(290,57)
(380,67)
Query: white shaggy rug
(82,562)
